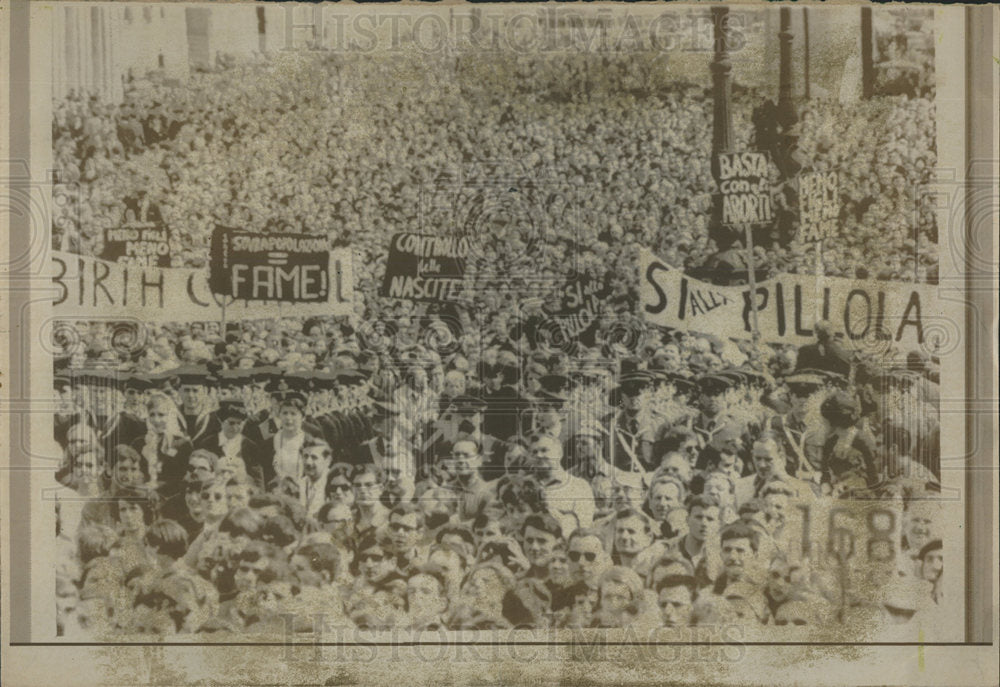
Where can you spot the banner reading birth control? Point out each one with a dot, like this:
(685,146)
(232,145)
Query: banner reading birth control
(787,305)
(102,290)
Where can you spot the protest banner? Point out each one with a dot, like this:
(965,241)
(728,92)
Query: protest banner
(819,205)
(745,188)
(292,268)
(893,312)
(138,243)
(426,268)
(92,288)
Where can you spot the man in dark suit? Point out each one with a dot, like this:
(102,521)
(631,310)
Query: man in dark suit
(195,419)
(826,354)
(127,425)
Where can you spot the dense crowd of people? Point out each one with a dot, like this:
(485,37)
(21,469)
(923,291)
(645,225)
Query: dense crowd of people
(611,172)
(420,488)
(431,466)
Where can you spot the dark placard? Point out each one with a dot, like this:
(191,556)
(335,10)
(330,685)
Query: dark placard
(577,319)
(745,188)
(144,244)
(426,268)
(819,205)
(291,268)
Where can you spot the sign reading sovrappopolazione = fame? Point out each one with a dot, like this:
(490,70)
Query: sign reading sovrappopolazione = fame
(291,268)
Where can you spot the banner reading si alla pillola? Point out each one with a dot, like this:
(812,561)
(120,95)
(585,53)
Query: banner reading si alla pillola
(292,268)
(91,288)
(819,205)
(426,268)
(787,307)
(745,188)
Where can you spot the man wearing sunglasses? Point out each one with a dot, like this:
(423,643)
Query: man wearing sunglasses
(338,520)
(588,558)
(367,483)
(215,507)
(406,530)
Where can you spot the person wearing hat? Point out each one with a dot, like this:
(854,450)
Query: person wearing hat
(631,450)
(71,409)
(850,452)
(262,425)
(195,419)
(463,419)
(803,444)
(382,436)
(230,441)
(711,388)
(127,425)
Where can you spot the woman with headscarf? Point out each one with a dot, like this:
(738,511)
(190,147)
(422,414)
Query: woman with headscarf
(164,446)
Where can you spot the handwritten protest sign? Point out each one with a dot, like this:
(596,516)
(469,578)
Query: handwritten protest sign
(576,321)
(292,268)
(138,243)
(426,268)
(819,205)
(745,188)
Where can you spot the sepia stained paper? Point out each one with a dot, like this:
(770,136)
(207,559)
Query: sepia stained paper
(474,343)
